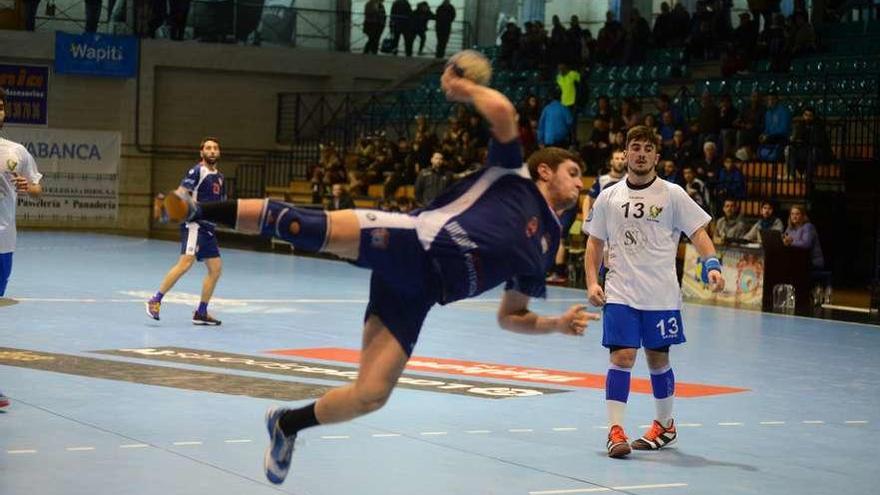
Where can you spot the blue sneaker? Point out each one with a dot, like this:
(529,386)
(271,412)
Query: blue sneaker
(276,462)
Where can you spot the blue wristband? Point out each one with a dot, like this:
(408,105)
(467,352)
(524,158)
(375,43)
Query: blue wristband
(709,265)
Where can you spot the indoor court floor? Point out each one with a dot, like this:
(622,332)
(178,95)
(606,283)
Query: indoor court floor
(107,401)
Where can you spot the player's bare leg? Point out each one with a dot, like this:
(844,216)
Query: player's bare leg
(382,362)
(184,263)
(336,232)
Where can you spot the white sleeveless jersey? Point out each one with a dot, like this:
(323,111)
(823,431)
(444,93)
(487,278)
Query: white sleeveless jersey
(14,159)
(641,228)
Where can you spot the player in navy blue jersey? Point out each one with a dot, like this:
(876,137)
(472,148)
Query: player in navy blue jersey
(198,239)
(496,226)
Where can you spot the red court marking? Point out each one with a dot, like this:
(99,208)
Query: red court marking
(507,372)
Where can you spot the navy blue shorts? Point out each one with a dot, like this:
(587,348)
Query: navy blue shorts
(402,289)
(198,241)
(624,326)
(5,271)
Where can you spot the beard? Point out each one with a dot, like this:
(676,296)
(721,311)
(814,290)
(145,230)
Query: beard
(639,172)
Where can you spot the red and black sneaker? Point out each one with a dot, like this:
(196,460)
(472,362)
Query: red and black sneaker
(204,319)
(657,437)
(618,444)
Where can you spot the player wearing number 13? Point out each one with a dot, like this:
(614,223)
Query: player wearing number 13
(642,219)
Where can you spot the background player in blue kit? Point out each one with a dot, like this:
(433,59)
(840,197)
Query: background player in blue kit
(641,220)
(198,239)
(499,225)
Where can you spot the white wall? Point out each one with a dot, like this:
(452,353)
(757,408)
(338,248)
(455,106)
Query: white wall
(591,13)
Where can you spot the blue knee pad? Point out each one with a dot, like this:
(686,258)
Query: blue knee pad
(312,225)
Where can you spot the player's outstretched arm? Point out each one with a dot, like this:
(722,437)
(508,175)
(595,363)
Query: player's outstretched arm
(711,266)
(592,261)
(514,315)
(491,104)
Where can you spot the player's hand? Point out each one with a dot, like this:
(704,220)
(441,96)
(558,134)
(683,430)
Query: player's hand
(716,281)
(596,295)
(456,88)
(575,320)
(20,183)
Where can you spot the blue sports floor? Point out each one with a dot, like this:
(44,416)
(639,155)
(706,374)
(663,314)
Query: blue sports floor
(88,422)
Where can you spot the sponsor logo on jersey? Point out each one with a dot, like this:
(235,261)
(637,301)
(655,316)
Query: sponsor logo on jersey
(654,213)
(532,227)
(379,238)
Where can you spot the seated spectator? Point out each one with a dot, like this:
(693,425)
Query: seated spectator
(696,189)
(431,181)
(749,126)
(630,113)
(651,123)
(597,149)
(679,150)
(604,110)
(731,182)
(708,125)
(531,108)
(773,41)
(476,127)
(777,128)
(510,43)
(666,128)
(768,221)
(663,26)
(802,234)
(708,165)
(668,171)
(809,144)
(554,128)
(663,104)
(728,115)
(730,225)
(339,199)
(528,134)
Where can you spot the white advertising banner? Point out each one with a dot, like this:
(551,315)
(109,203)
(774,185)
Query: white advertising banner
(80,173)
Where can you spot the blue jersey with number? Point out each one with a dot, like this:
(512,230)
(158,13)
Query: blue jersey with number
(492,227)
(205,185)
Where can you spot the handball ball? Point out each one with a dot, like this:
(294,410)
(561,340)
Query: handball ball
(473,65)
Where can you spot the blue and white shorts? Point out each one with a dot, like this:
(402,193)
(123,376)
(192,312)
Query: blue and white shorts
(402,290)
(198,241)
(624,326)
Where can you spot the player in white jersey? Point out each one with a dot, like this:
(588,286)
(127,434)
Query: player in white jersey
(18,175)
(616,173)
(641,219)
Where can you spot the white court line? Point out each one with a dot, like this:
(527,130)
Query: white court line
(691,425)
(730,424)
(385,435)
(134,446)
(600,427)
(520,430)
(187,443)
(476,432)
(79,449)
(645,426)
(566,428)
(814,422)
(433,433)
(603,489)
(772,423)
(242,440)
(856,422)
(336,437)
(21,451)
